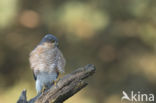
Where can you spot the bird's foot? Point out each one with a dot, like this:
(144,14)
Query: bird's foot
(56,81)
(44,89)
(58,78)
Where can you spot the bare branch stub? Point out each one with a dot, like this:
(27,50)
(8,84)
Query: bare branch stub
(65,87)
(22,98)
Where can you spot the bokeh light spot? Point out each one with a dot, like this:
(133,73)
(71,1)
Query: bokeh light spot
(29,19)
(82,20)
(8,10)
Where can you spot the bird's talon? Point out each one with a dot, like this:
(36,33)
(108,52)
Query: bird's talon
(55,83)
(43,89)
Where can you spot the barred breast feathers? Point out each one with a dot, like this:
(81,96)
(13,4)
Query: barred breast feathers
(43,59)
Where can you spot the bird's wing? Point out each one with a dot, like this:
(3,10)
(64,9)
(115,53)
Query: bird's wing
(31,60)
(60,62)
(34,76)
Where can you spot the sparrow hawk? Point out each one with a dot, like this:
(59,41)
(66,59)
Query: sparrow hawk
(47,62)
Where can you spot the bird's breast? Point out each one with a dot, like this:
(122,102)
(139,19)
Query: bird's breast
(43,59)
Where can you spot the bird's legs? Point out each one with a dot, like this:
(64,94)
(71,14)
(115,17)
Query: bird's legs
(41,91)
(57,79)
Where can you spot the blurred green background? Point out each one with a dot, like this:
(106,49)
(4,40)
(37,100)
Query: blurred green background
(117,36)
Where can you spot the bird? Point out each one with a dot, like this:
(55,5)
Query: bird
(47,62)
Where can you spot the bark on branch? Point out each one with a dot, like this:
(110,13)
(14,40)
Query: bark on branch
(64,89)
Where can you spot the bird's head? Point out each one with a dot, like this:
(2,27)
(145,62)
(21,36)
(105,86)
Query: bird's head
(49,39)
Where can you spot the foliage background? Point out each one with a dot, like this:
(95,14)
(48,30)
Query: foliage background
(117,36)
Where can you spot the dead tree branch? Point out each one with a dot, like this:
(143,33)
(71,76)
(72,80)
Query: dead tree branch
(64,89)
